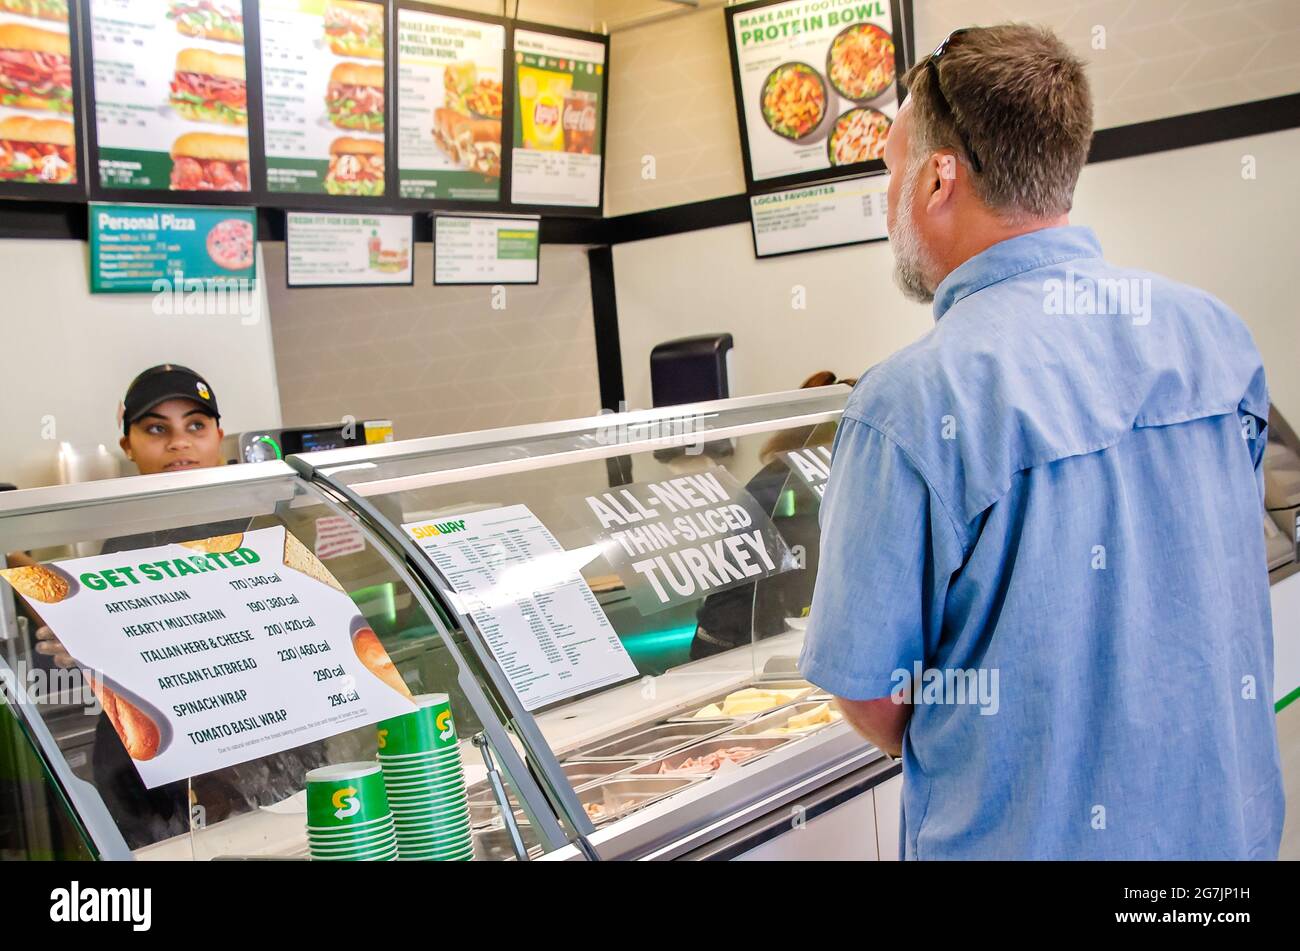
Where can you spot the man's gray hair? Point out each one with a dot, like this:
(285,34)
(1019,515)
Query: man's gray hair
(1022,99)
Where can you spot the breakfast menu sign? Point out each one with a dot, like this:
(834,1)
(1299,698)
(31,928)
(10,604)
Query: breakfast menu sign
(217,651)
(816,84)
(170,95)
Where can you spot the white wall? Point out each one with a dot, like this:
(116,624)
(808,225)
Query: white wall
(68,355)
(437,359)
(1188,214)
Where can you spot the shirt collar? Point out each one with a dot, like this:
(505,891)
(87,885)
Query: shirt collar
(1014,256)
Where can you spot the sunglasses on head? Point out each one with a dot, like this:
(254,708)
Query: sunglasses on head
(932,64)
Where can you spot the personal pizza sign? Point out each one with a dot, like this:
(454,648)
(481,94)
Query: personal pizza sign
(217,651)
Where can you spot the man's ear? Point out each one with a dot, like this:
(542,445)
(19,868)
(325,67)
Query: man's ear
(940,180)
(126,447)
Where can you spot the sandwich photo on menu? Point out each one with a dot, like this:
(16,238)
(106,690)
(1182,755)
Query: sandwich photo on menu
(56,10)
(210,87)
(474,143)
(35,68)
(220,21)
(356,167)
(37,150)
(355,29)
(355,98)
(207,162)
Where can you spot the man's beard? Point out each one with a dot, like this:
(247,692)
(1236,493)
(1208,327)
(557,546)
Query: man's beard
(912,261)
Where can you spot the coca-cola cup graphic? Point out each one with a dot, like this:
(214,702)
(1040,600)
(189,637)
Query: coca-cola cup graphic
(580,122)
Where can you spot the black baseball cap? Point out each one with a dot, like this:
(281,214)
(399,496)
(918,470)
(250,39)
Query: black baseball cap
(168,381)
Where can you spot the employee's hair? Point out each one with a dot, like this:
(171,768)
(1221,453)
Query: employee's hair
(1022,100)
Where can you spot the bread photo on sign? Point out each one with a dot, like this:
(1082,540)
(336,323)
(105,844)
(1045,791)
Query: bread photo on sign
(302,559)
(143,732)
(369,650)
(40,151)
(210,87)
(35,68)
(43,584)
(474,143)
(209,162)
(216,545)
(355,28)
(356,167)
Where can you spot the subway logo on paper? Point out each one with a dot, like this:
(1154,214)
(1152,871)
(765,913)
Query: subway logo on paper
(433,529)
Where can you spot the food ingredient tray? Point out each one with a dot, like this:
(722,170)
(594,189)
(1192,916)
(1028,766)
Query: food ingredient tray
(648,742)
(617,796)
(768,723)
(762,744)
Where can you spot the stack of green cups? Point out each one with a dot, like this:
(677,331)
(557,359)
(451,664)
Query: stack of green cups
(348,816)
(425,781)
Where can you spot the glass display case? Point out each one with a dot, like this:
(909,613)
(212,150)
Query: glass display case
(615,607)
(705,725)
(70,787)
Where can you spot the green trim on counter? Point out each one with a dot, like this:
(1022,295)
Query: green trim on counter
(1287,700)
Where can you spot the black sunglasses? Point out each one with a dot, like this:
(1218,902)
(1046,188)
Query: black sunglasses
(932,64)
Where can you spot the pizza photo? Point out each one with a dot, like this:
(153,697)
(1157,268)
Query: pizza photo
(230,244)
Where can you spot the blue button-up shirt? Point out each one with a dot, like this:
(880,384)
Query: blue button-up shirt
(1043,525)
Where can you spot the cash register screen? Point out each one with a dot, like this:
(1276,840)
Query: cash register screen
(314,441)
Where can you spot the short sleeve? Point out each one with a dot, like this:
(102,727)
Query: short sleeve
(888,550)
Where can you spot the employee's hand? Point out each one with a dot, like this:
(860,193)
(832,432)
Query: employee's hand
(51,646)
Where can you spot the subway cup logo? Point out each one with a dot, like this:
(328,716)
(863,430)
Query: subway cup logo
(446,730)
(428,729)
(345,795)
(346,803)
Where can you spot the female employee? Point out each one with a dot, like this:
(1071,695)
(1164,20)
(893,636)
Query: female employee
(171,423)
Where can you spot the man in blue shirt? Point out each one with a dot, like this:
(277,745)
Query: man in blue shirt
(1042,573)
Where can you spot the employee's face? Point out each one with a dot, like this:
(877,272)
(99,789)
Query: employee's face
(174,436)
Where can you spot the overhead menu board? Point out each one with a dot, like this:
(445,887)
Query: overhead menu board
(450,100)
(218,651)
(529,601)
(169,95)
(177,252)
(323,96)
(38,99)
(816,85)
(559,118)
(820,216)
(331,249)
(468,250)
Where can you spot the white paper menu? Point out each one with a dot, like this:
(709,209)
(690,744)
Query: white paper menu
(529,600)
(218,651)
